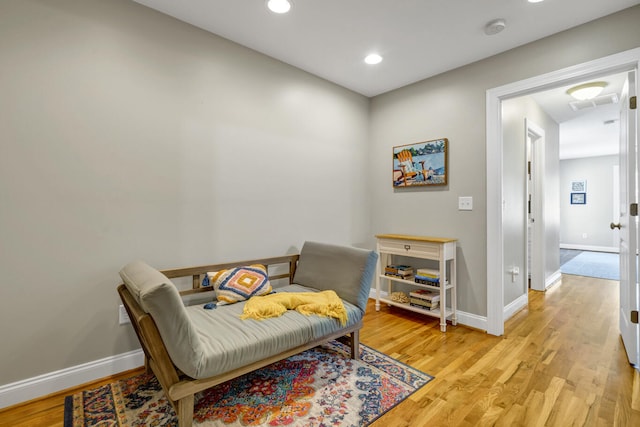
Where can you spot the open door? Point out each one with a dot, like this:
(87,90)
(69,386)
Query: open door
(628,224)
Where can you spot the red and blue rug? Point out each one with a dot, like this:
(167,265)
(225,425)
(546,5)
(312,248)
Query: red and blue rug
(319,387)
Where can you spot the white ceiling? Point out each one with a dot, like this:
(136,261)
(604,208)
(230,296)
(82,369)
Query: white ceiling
(417,38)
(589,132)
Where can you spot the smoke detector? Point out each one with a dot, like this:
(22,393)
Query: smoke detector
(495,26)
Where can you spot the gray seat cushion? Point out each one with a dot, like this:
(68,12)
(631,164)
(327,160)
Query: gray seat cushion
(230,342)
(348,271)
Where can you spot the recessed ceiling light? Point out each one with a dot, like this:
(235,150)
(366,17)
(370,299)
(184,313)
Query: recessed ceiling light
(535,1)
(587,90)
(373,59)
(279,6)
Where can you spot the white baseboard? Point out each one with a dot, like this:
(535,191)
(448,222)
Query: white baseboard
(42,385)
(467,319)
(553,279)
(612,249)
(513,307)
(472,320)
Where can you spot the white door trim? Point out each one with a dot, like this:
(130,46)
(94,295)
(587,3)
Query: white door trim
(538,268)
(619,62)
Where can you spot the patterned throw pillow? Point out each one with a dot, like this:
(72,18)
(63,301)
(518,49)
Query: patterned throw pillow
(240,283)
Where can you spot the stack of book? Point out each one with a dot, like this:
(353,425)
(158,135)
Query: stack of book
(424,299)
(401,271)
(427,276)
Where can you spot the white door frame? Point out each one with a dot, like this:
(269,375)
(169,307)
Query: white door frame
(623,61)
(535,134)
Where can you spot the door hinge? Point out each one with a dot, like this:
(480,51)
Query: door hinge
(633,103)
(529,168)
(633,209)
(634,316)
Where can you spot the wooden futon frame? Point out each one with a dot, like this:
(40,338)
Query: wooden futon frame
(179,388)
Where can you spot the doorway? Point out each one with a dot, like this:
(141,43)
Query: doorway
(584,140)
(496,271)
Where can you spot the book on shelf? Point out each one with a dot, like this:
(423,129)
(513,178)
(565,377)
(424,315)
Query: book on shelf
(424,303)
(424,307)
(426,280)
(428,272)
(399,276)
(400,271)
(427,276)
(425,295)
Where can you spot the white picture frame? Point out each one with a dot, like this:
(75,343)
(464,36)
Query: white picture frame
(579,186)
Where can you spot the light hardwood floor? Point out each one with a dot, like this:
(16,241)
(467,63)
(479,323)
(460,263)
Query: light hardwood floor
(560,363)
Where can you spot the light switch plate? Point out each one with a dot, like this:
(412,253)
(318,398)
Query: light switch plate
(465,203)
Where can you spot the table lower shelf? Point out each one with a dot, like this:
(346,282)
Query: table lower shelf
(448,313)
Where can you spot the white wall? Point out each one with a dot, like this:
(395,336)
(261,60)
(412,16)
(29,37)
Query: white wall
(587,226)
(127,134)
(514,113)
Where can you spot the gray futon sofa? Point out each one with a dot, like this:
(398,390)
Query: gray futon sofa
(190,348)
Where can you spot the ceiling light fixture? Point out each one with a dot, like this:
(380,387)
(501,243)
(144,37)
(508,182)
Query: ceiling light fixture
(587,90)
(279,6)
(535,1)
(373,59)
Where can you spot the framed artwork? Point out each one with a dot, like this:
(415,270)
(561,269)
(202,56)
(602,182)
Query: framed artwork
(422,163)
(579,186)
(578,198)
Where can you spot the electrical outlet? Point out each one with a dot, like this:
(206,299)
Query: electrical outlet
(123,316)
(514,272)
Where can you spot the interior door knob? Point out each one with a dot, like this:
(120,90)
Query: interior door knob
(612,225)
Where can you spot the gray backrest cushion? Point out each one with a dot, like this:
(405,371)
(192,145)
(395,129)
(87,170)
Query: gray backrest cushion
(347,270)
(158,296)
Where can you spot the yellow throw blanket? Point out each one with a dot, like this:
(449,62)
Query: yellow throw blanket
(325,303)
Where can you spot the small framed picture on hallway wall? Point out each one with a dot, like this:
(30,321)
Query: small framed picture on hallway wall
(579,186)
(578,198)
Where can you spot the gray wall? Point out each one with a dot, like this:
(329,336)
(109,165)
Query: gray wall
(594,217)
(453,105)
(127,134)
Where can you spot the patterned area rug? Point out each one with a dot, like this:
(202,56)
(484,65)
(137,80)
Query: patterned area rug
(319,387)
